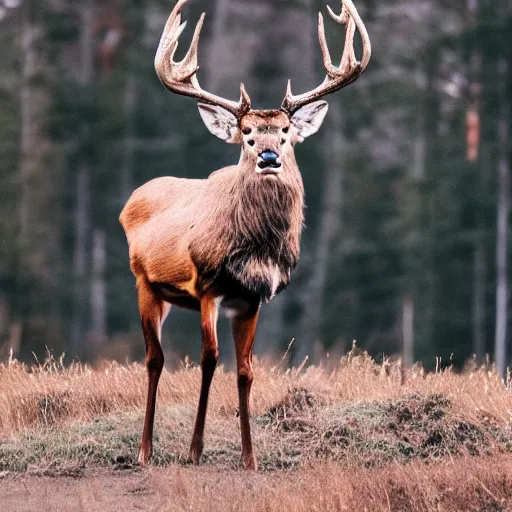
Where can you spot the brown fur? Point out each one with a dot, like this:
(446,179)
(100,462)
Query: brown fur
(231,239)
(188,232)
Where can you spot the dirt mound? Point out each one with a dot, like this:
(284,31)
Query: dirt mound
(303,427)
(425,424)
(374,433)
(424,427)
(294,412)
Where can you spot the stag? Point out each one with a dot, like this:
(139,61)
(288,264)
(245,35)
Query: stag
(232,240)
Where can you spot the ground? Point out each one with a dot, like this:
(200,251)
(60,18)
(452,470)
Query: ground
(470,486)
(349,434)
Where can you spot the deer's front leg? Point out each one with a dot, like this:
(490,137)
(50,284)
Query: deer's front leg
(209,357)
(244,331)
(152,313)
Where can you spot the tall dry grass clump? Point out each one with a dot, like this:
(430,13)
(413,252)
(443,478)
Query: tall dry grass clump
(52,393)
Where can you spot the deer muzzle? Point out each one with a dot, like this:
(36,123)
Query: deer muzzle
(268,162)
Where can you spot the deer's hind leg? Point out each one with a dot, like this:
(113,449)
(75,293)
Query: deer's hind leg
(209,358)
(153,312)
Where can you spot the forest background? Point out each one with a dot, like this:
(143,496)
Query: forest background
(406,247)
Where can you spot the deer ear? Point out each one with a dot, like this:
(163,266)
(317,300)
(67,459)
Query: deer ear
(220,122)
(307,120)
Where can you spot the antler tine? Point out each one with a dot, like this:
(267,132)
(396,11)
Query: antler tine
(180,77)
(349,69)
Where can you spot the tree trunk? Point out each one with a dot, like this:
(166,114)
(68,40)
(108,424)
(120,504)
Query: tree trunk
(217,46)
(130,100)
(417,176)
(478,307)
(329,227)
(476,169)
(4,325)
(81,258)
(408,332)
(38,215)
(98,288)
(500,344)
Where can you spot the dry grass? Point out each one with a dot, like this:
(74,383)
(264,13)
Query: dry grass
(465,485)
(353,432)
(468,485)
(52,394)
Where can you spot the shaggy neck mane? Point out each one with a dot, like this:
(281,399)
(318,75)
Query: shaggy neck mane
(264,210)
(264,232)
(257,241)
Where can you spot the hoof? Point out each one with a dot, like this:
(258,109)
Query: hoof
(144,456)
(196,450)
(250,463)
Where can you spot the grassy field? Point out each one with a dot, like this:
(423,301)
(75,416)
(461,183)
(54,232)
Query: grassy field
(346,435)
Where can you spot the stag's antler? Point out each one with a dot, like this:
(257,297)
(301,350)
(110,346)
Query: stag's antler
(349,69)
(180,77)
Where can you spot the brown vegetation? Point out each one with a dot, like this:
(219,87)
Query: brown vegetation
(349,434)
(465,485)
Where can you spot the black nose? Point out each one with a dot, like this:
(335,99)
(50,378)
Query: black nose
(268,159)
(268,156)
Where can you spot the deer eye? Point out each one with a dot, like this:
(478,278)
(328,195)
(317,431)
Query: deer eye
(246,131)
(251,143)
(285,130)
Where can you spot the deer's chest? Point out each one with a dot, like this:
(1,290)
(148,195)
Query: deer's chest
(256,277)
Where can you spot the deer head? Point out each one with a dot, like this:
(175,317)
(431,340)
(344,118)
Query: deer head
(267,137)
